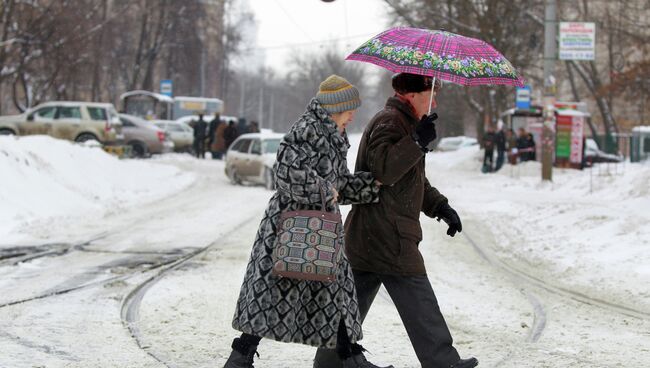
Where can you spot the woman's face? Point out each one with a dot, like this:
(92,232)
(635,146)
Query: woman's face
(342,119)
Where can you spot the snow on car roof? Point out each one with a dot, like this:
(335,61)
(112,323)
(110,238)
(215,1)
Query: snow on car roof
(158,96)
(265,135)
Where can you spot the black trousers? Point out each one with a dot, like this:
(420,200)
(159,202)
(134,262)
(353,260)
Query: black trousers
(418,308)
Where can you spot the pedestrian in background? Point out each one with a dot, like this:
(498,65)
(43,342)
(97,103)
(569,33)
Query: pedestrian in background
(500,141)
(511,140)
(218,146)
(311,159)
(532,147)
(200,128)
(253,127)
(489,140)
(522,145)
(229,135)
(212,130)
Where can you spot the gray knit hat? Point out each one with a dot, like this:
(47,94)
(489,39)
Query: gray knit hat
(337,95)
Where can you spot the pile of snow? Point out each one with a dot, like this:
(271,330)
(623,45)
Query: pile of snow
(590,229)
(46,182)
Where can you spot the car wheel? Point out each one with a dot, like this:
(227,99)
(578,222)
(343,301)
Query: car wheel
(139,149)
(269,182)
(7,132)
(233,176)
(86,137)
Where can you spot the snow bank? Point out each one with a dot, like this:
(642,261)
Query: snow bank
(49,181)
(590,229)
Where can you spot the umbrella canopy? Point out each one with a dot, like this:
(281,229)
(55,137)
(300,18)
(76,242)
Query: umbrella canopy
(440,54)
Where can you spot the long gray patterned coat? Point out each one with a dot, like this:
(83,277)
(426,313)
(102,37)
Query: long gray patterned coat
(313,152)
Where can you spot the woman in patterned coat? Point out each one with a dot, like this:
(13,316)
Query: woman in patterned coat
(311,156)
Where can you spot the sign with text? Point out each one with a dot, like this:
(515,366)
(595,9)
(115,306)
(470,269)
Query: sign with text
(166,87)
(577,41)
(522,99)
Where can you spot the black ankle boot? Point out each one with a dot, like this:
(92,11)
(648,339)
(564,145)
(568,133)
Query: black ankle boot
(465,363)
(359,361)
(242,355)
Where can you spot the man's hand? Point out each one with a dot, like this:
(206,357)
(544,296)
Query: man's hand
(450,216)
(425,132)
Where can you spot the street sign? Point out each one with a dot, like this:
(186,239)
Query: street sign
(577,40)
(166,87)
(522,99)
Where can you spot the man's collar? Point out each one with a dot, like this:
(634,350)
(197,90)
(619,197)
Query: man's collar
(402,103)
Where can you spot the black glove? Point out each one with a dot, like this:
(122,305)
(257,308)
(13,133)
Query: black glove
(425,132)
(450,216)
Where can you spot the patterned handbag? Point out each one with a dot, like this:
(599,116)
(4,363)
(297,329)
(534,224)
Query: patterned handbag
(307,245)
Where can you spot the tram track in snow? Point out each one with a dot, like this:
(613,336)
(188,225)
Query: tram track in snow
(130,309)
(526,282)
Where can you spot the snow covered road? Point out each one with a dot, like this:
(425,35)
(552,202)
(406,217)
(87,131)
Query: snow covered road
(517,291)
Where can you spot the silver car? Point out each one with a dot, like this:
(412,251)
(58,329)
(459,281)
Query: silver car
(144,137)
(251,158)
(72,120)
(180,133)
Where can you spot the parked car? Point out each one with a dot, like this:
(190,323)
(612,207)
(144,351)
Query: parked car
(144,137)
(72,120)
(180,133)
(594,155)
(455,143)
(251,158)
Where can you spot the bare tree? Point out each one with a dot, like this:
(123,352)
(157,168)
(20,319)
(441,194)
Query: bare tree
(504,25)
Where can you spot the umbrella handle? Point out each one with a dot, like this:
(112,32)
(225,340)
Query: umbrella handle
(433,83)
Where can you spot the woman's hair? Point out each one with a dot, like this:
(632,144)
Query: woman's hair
(407,83)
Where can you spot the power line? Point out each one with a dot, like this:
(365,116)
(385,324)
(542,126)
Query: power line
(312,43)
(291,19)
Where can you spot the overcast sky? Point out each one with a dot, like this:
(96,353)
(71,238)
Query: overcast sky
(286,27)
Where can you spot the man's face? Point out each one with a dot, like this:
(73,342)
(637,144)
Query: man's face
(420,102)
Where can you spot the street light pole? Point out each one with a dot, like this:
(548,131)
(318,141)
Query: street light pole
(550,55)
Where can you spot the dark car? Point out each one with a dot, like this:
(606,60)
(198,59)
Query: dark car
(594,155)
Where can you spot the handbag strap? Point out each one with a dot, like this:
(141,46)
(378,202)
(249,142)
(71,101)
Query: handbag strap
(322,196)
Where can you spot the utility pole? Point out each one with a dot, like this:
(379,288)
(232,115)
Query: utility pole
(271,111)
(261,110)
(550,55)
(242,96)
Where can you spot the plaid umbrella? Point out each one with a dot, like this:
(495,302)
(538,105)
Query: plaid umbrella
(439,54)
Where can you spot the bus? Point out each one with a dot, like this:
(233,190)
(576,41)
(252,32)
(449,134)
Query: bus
(155,106)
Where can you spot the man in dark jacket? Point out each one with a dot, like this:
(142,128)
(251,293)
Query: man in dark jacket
(500,140)
(230,134)
(489,140)
(199,137)
(382,239)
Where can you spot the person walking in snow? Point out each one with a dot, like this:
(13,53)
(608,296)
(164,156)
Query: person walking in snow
(200,128)
(311,157)
(382,237)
